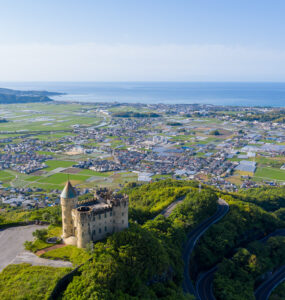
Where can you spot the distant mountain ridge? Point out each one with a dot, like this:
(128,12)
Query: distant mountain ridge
(8,96)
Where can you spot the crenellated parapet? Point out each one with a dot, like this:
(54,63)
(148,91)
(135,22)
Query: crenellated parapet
(93,219)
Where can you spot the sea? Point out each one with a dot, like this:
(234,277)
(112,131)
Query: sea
(269,94)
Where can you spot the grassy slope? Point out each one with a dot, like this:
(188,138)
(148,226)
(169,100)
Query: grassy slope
(70,253)
(29,282)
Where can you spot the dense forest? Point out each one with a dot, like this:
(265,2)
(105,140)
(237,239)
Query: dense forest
(147,200)
(269,198)
(237,277)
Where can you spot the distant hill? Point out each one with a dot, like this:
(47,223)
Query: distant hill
(15,96)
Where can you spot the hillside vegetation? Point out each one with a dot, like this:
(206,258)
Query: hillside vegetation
(236,278)
(25,281)
(8,96)
(145,260)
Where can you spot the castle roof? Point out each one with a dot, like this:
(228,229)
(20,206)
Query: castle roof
(68,191)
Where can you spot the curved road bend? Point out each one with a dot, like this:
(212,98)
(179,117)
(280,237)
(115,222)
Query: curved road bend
(204,284)
(264,290)
(193,237)
(168,210)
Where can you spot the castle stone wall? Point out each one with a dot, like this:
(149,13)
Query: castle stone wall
(93,220)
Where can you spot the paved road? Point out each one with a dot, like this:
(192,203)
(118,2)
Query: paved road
(168,210)
(31,258)
(204,284)
(12,249)
(264,290)
(193,237)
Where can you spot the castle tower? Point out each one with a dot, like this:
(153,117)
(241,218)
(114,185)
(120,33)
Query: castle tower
(68,201)
(120,213)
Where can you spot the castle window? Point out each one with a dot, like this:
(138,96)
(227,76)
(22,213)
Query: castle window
(99,217)
(105,215)
(94,232)
(125,204)
(105,228)
(99,230)
(122,221)
(122,214)
(110,214)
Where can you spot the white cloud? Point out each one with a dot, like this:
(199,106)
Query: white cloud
(95,62)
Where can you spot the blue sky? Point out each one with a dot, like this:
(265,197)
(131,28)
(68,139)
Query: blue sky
(158,40)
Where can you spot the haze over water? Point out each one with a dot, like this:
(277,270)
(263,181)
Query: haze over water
(222,93)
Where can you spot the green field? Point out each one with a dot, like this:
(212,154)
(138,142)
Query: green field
(270,173)
(5,176)
(46,117)
(54,164)
(61,178)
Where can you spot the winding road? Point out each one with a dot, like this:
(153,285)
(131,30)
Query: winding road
(265,289)
(193,237)
(204,284)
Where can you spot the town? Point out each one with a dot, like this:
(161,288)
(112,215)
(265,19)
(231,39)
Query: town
(111,144)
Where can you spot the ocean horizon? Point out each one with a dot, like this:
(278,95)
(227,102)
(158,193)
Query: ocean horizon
(216,93)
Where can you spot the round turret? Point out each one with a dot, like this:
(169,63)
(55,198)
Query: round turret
(68,200)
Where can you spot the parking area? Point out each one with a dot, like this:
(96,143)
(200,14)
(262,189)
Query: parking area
(13,251)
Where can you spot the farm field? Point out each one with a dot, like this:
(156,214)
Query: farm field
(270,173)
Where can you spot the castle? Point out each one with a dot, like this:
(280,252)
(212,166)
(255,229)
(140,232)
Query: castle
(92,220)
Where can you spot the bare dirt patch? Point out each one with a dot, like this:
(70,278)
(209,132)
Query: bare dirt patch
(39,172)
(71,170)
